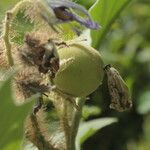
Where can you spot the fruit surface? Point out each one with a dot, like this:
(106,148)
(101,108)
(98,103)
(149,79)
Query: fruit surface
(81,70)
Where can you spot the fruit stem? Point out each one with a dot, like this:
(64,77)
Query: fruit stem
(76,120)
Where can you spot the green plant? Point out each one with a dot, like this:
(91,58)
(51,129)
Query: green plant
(38,71)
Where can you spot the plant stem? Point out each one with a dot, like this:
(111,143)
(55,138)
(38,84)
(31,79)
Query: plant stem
(8,19)
(65,123)
(76,120)
(37,138)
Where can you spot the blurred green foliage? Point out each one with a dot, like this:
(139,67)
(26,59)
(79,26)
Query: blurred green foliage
(124,42)
(12,116)
(6,5)
(127,47)
(105,13)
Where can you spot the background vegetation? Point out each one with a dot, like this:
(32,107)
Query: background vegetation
(124,42)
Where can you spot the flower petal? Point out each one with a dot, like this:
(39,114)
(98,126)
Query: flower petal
(64,13)
(86,22)
(65,3)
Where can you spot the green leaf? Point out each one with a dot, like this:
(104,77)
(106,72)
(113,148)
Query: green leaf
(12,118)
(105,12)
(85,3)
(89,128)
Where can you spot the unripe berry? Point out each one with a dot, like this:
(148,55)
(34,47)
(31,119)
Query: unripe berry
(81,70)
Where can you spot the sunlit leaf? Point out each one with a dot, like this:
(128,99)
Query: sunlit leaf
(89,128)
(85,3)
(105,12)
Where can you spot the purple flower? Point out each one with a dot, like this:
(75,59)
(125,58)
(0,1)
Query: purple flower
(67,11)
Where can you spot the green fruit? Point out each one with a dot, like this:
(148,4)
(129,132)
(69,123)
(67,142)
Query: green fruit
(81,70)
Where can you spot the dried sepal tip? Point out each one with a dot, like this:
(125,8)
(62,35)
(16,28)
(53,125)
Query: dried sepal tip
(118,90)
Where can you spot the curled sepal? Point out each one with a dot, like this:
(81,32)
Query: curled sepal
(66,11)
(119,92)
